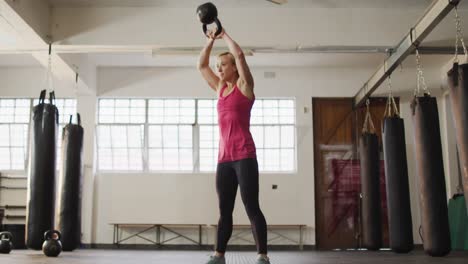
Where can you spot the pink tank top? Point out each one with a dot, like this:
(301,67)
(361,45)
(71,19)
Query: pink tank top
(235,140)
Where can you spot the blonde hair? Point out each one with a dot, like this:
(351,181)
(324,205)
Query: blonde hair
(233,60)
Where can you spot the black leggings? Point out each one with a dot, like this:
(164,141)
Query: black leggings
(245,174)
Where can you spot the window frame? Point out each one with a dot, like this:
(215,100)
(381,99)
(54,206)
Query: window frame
(196,130)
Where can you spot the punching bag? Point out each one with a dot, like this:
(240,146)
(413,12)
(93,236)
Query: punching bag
(69,207)
(458,89)
(370,188)
(41,178)
(431,179)
(396,176)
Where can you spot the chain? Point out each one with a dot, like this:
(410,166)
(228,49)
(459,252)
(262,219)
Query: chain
(368,120)
(459,37)
(420,76)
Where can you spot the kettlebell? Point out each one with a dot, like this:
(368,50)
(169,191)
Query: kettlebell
(5,242)
(52,245)
(207,14)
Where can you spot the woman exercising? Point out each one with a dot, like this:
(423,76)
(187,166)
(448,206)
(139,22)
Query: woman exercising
(237,161)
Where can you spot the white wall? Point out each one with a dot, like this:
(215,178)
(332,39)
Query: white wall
(189,198)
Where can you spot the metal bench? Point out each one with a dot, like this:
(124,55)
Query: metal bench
(156,228)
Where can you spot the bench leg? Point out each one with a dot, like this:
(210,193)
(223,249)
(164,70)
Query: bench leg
(158,235)
(215,240)
(301,243)
(199,235)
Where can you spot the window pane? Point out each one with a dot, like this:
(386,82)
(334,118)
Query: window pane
(207,113)
(287,136)
(104,136)
(155,137)
(122,111)
(171,147)
(261,159)
(23,110)
(208,135)
(171,159)
(209,142)
(185,138)
(272,137)
(120,147)
(287,159)
(135,137)
(155,159)
(258,135)
(135,159)
(5,158)
(4,135)
(119,136)
(18,158)
(171,136)
(208,158)
(186,160)
(272,160)
(171,111)
(105,158)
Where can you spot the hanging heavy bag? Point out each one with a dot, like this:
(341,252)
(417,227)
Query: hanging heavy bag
(396,176)
(69,208)
(458,90)
(370,186)
(430,170)
(431,179)
(42,172)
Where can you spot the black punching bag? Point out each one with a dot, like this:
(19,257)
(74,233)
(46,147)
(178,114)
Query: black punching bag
(458,88)
(69,207)
(370,188)
(41,178)
(398,194)
(431,179)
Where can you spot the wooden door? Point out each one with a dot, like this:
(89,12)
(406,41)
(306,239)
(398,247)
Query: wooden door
(337,128)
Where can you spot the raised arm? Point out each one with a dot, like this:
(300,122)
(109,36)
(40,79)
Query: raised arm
(204,65)
(245,77)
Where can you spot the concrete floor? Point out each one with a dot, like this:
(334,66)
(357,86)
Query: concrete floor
(195,257)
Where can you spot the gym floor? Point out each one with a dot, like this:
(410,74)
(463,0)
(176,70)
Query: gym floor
(233,257)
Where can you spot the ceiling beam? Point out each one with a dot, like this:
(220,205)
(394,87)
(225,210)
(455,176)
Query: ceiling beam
(433,15)
(29,20)
(190,50)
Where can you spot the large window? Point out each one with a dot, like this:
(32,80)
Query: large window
(170,137)
(120,134)
(274,132)
(15,126)
(209,134)
(183,134)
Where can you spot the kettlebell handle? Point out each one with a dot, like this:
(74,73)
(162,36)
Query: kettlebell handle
(6,235)
(219,27)
(48,235)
